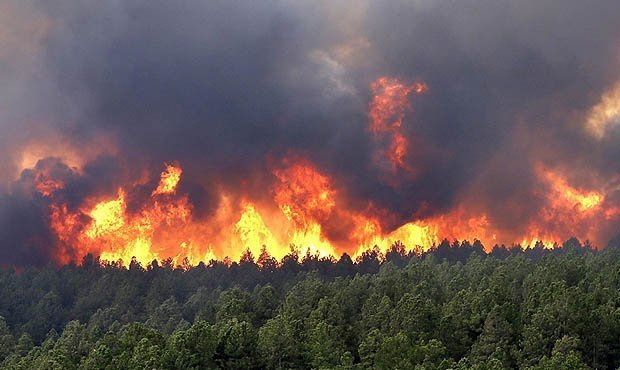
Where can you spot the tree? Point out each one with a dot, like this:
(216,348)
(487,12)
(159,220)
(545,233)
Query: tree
(134,345)
(236,345)
(416,316)
(265,303)
(495,341)
(167,317)
(277,347)
(72,346)
(265,261)
(565,356)
(394,353)
(193,348)
(234,303)
(7,341)
(369,347)
(324,346)
(24,345)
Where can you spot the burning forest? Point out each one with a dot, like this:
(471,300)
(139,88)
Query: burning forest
(198,142)
(331,184)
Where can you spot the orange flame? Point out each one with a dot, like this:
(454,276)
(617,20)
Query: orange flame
(47,186)
(387,112)
(305,202)
(115,233)
(304,208)
(303,194)
(169,180)
(567,196)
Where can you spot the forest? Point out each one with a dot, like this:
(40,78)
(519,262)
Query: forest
(452,307)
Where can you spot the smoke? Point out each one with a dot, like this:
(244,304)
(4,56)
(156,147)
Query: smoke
(113,89)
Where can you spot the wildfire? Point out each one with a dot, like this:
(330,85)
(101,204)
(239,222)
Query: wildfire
(303,194)
(46,186)
(305,209)
(107,217)
(114,233)
(252,229)
(305,202)
(170,178)
(387,112)
(567,209)
(570,196)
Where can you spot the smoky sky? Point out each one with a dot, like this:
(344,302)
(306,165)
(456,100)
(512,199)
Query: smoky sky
(227,88)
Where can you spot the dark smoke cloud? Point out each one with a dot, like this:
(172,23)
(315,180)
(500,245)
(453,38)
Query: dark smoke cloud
(225,87)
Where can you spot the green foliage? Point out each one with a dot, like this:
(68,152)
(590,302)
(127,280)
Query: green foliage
(565,356)
(451,308)
(236,348)
(7,341)
(193,348)
(277,345)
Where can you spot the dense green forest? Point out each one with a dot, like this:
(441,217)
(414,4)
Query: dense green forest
(454,307)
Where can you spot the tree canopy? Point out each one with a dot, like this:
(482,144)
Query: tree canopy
(454,307)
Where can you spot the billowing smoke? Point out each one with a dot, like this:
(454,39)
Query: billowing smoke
(500,120)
